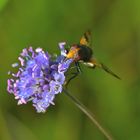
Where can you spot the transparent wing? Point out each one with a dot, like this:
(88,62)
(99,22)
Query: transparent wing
(86,39)
(93,63)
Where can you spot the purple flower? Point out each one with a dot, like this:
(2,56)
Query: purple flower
(39,78)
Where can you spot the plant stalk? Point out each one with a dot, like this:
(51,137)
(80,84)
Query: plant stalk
(85,110)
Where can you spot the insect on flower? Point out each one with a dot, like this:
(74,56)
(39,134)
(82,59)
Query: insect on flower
(82,52)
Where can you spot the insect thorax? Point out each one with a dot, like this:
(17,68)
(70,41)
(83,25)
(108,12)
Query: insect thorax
(85,53)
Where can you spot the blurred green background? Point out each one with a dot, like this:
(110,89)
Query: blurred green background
(115,26)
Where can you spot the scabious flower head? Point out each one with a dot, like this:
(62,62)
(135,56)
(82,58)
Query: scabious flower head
(39,77)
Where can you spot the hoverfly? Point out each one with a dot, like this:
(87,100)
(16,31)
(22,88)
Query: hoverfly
(82,52)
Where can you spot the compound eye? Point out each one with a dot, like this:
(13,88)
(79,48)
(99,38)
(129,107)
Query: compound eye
(67,51)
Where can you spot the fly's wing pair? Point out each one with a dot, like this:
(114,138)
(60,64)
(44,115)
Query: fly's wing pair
(86,41)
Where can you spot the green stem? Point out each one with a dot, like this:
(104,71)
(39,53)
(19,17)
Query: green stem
(89,114)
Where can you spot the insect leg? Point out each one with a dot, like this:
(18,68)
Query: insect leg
(75,74)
